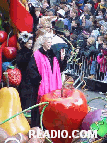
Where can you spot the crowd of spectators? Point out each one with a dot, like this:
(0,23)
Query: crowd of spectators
(84,23)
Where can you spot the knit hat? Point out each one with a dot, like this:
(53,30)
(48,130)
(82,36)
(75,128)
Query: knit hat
(59,26)
(61,12)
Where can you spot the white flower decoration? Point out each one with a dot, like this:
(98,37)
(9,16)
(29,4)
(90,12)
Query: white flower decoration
(25,36)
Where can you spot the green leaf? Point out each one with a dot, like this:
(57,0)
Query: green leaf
(11,67)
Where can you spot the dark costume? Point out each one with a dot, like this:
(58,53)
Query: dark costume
(22,59)
(30,85)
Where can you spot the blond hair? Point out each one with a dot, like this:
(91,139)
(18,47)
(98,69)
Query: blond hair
(41,39)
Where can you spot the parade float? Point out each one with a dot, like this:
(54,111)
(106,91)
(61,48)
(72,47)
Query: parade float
(65,109)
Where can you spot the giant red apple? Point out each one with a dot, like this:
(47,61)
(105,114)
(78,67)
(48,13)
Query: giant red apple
(64,113)
(10,52)
(3,36)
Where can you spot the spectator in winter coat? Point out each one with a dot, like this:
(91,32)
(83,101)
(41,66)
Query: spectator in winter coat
(100,43)
(95,4)
(60,36)
(102,4)
(87,12)
(67,10)
(73,15)
(58,31)
(43,27)
(39,77)
(87,8)
(90,53)
(82,40)
(45,4)
(100,14)
(61,16)
(90,48)
(99,46)
(73,39)
(76,28)
(95,33)
(102,60)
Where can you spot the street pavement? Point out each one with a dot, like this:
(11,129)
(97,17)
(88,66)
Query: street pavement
(97,103)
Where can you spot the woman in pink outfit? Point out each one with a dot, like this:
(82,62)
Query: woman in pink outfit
(43,75)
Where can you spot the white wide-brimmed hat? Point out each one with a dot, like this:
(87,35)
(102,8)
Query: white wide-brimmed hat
(62,12)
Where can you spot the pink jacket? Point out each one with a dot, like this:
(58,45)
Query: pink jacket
(50,81)
(103,63)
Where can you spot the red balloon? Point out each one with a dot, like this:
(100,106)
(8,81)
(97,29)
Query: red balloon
(10,52)
(64,113)
(3,36)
